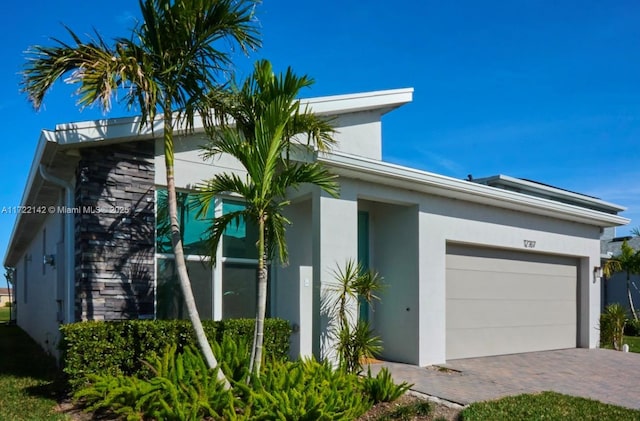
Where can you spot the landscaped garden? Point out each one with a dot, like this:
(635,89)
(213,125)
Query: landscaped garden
(300,390)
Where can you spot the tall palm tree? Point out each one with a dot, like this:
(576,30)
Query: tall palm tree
(627,261)
(261,143)
(167,66)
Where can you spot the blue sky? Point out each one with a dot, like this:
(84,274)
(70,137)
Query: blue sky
(536,89)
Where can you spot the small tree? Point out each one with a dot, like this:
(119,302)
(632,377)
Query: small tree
(261,143)
(354,337)
(627,261)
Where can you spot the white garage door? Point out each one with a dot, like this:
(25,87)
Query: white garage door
(503,302)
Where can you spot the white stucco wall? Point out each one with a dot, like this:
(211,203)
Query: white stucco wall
(190,168)
(292,287)
(335,240)
(394,232)
(359,134)
(444,220)
(38,315)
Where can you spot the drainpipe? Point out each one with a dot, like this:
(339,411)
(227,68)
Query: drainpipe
(69,235)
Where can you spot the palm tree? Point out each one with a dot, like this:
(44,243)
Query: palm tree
(167,66)
(627,261)
(261,143)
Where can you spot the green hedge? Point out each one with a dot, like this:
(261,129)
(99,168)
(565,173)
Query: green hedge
(119,347)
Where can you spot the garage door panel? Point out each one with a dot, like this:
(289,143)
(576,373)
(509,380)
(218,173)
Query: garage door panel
(486,264)
(503,302)
(491,285)
(469,343)
(478,314)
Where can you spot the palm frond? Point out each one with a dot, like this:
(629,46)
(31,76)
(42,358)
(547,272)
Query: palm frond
(293,175)
(223,183)
(217,229)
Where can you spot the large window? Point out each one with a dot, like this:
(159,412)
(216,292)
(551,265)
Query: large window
(225,291)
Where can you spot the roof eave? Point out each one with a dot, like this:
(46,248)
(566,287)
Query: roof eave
(413,179)
(549,190)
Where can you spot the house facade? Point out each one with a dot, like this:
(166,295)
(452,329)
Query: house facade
(471,267)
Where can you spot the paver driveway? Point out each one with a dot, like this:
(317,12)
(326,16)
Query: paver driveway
(605,375)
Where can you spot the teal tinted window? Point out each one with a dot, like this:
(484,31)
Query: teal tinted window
(193,229)
(363,257)
(240,237)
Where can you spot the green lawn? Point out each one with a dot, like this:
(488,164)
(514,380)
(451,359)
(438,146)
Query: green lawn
(27,378)
(4,314)
(633,342)
(546,406)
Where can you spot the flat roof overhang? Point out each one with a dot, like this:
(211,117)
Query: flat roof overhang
(425,182)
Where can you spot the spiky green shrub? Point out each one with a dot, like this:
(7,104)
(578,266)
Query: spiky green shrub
(306,390)
(234,355)
(355,340)
(382,388)
(612,322)
(182,388)
(120,347)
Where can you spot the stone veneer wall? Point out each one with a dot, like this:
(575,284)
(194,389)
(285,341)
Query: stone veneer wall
(115,232)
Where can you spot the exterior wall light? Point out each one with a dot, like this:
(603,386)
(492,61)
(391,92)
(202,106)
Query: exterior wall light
(49,259)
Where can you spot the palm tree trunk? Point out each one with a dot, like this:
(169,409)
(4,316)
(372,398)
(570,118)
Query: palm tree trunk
(258,337)
(181,266)
(631,306)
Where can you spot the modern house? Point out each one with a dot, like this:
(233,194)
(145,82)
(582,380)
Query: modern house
(471,267)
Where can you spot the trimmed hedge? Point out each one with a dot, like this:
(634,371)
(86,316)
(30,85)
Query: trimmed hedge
(119,347)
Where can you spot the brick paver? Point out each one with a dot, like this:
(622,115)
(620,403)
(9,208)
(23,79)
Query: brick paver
(605,375)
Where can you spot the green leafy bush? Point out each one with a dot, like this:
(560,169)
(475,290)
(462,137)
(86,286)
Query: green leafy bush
(306,390)
(233,356)
(612,322)
(381,388)
(182,388)
(632,328)
(119,348)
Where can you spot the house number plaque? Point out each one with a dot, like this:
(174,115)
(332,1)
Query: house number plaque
(528,244)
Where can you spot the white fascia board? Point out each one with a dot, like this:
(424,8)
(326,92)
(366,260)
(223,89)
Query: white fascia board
(46,140)
(342,104)
(130,128)
(551,191)
(426,182)
(88,132)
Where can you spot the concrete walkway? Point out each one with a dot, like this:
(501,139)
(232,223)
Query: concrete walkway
(605,375)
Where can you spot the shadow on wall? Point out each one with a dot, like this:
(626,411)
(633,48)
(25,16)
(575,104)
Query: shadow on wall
(115,232)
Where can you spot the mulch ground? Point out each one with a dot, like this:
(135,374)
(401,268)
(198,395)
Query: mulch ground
(439,411)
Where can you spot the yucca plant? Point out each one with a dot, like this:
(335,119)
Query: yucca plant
(355,340)
(612,323)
